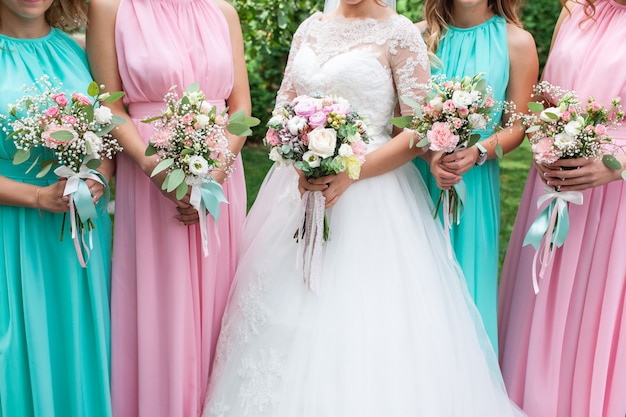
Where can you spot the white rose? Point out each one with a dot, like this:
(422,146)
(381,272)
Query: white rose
(354,138)
(477,121)
(322,142)
(206,107)
(103,115)
(198,166)
(203,120)
(475,94)
(277,157)
(436,103)
(564,141)
(461,98)
(574,127)
(312,159)
(553,110)
(296,125)
(345,150)
(94,141)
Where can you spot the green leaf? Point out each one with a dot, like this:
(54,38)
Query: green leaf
(181,190)
(177,177)
(410,102)
(106,129)
(88,114)
(94,163)
(21,156)
(282,20)
(164,164)
(150,150)
(117,120)
(114,96)
(551,115)
(186,151)
(624,175)
(193,88)
(62,135)
(499,151)
(237,117)
(473,139)
(165,182)
(535,107)
(423,142)
(33,164)
(532,129)
(402,121)
(239,129)
(481,85)
(93,89)
(611,162)
(45,168)
(251,121)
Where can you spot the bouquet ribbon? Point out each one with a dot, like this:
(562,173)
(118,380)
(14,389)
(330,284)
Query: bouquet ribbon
(453,204)
(81,203)
(311,238)
(550,227)
(207,197)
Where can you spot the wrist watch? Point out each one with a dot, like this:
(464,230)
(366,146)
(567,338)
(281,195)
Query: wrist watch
(482,154)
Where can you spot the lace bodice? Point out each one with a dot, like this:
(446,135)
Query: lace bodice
(368,62)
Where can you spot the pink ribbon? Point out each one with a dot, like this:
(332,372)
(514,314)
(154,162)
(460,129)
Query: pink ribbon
(311,239)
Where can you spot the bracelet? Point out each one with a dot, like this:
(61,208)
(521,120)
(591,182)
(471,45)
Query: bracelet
(37,206)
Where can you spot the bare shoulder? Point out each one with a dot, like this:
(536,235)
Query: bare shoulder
(229,11)
(103,8)
(422,26)
(520,41)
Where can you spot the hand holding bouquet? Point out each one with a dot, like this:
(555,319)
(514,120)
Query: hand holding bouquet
(72,133)
(190,140)
(320,136)
(568,129)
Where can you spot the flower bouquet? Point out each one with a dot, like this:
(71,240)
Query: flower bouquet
(320,135)
(569,129)
(190,140)
(452,111)
(73,134)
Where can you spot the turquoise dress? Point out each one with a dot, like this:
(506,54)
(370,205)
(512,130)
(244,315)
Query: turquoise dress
(54,315)
(481,48)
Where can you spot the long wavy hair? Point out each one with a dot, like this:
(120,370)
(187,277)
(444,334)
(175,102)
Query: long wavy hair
(438,15)
(68,15)
(588,5)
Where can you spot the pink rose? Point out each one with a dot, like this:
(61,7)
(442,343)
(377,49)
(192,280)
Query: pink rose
(601,130)
(457,123)
(79,98)
(304,138)
(189,130)
(69,120)
(448,85)
(441,138)
(53,143)
(594,106)
(489,102)
(359,148)
(60,99)
(272,137)
(317,119)
(220,120)
(52,112)
(187,119)
(566,116)
(448,106)
(589,128)
(305,107)
(342,108)
(463,112)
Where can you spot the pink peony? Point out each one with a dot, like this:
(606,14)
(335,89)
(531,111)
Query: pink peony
(52,143)
(79,98)
(305,107)
(441,138)
(52,112)
(272,137)
(448,106)
(601,130)
(60,99)
(317,119)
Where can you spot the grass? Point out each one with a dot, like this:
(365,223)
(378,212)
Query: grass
(514,168)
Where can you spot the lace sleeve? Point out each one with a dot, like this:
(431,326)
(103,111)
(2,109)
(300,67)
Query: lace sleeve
(409,63)
(287,91)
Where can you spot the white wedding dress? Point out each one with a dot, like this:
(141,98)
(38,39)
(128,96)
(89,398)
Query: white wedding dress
(392,331)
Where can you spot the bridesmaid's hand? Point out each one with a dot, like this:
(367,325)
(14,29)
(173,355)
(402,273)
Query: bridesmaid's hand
(51,198)
(579,174)
(335,185)
(96,189)
(461,161)
(445,179)
(187,216)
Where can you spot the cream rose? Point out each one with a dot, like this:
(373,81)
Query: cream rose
(322,142)
(461,98)
(103,115)
(552,110)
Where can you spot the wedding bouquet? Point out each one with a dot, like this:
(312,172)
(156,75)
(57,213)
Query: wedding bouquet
(446,121)
(568,129)
(320,135)
(190,140)
(73,134)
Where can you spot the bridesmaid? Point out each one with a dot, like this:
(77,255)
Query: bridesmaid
(167,299)
(468,37)
(54,314)
(562,350)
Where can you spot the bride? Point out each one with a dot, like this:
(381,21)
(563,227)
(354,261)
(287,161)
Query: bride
(391,331)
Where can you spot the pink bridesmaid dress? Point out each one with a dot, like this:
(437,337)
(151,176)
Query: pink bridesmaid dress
(563,351)
(167,299)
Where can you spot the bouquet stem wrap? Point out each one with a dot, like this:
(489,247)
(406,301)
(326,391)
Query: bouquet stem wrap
(207,197)
(82,208)
(453,201)
(311,238)
(550,228)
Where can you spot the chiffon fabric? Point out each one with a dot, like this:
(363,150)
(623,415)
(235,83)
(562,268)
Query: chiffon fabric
(54,314)
(392,330)
(466,52)
(167,299)
(562,350)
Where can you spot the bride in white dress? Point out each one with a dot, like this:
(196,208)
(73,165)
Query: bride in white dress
(392,331)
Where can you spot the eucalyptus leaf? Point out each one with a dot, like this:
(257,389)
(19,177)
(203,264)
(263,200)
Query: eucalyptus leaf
(88,148)
(165,182)
(117,120)
(33,164)
(88,114)
(410,102)
(94,163)
(473,139)
(104,130)
(239,129)
(45,168)
(114,96)
(21,156)
(481,85)
(535,107)
(624,175)
(181,190)
(252,121)
(611,162)
(422,143)
(499,151)
(177,176)
(402,121)
(62,135)
(186,151)
(551,115)
(532,129)
(93,89)
(164,164)
(237,117)
(193,88)
(150,150)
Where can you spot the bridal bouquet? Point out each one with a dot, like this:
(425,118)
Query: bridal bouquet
(569,129)
(73,134)
(190,140)
(446,121)
(320,135)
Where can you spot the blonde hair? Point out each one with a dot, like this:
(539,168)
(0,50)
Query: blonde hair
(589,6)
(438,15)
(68,15)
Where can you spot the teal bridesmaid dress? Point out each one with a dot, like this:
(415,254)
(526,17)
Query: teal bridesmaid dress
(462,52)
(54,315)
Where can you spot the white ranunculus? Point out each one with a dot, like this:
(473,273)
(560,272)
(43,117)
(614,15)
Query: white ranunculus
(206,107)
(296,125)
(477,121)
(574,127)
(203,120)
(94,141)
(436,103)
(461,98)
(277,157)
(322,142)
(103,115)
(564,141)
(345,150)
(312,159)
(553,110)
(198,165)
